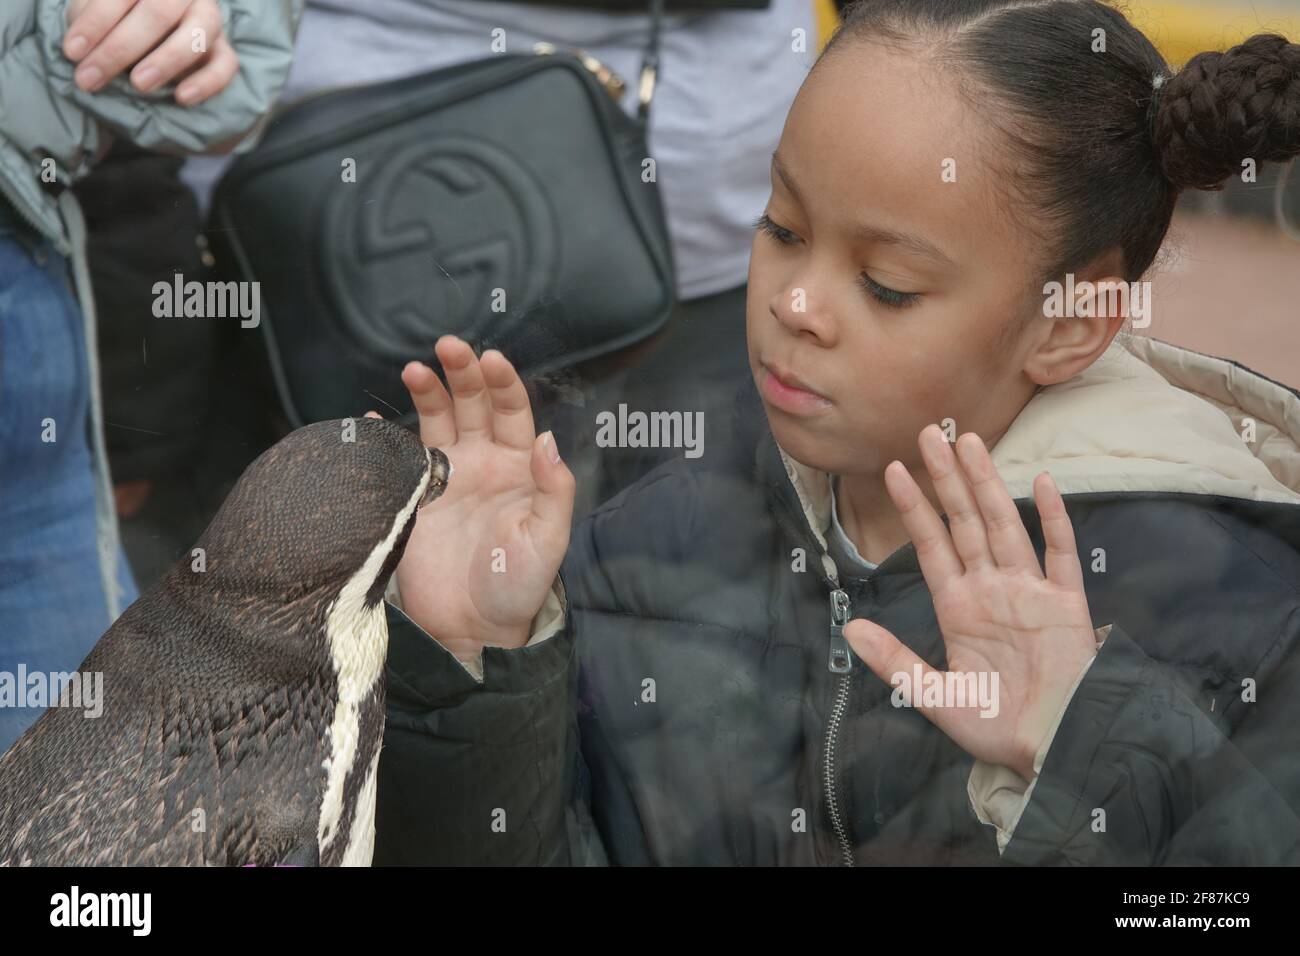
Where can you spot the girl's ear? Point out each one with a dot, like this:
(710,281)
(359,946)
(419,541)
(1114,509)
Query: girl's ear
(1073,344)
(1085,311)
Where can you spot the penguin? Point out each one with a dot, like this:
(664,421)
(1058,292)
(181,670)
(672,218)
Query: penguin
(242,704)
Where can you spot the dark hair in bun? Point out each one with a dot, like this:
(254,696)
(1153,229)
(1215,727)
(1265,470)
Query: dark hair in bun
(1223,108)
(1097,134)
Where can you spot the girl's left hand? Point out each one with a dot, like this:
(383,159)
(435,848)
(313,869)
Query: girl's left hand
(998,613)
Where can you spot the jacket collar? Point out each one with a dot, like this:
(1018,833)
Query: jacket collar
(1146,417)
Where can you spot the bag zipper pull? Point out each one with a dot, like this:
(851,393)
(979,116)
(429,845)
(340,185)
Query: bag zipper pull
(841,659)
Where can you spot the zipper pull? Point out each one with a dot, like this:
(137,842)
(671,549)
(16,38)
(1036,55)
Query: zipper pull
(841,660)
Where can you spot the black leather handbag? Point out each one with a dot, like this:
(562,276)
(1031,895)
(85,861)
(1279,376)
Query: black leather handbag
(507,200)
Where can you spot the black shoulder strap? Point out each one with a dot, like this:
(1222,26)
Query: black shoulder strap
(650,64)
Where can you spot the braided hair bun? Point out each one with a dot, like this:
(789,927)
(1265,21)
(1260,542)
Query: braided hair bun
(1224,108)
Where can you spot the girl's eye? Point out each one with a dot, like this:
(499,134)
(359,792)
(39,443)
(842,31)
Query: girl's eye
(779,233)
(882,294)
(887,296)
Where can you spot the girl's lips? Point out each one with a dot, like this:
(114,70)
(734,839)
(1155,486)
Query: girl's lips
(787,397)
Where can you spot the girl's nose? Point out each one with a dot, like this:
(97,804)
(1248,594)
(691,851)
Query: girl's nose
(804,311)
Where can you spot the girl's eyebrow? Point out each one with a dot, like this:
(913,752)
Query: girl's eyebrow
(868,234)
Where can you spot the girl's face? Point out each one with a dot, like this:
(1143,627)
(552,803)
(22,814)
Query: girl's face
(883,275)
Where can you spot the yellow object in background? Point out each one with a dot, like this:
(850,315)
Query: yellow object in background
(828,18)
(1182,28)
(1179,28)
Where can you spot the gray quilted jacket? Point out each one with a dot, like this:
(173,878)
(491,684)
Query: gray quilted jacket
(44,116)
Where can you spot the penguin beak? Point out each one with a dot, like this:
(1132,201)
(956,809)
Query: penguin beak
(439,474)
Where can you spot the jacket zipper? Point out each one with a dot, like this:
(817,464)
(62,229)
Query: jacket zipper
(841,663)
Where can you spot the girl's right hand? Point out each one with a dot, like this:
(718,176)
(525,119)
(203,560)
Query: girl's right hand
(483,556)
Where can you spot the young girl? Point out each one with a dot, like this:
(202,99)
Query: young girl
(1091,658)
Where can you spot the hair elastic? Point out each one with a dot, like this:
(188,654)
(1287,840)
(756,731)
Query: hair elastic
(1157,85)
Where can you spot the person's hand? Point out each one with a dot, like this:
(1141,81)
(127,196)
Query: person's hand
(482,558)
(167,40)
(998,612)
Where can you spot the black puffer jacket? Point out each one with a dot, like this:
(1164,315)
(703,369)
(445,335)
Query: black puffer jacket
(686,712)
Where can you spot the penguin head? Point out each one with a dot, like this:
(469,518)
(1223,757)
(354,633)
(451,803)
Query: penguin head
(327,508)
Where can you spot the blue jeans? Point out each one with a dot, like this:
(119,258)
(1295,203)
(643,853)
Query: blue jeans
(52,603)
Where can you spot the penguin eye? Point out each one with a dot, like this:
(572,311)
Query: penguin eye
(440,469)
(431,493)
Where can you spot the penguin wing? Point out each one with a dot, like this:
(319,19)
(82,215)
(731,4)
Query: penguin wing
(190,761)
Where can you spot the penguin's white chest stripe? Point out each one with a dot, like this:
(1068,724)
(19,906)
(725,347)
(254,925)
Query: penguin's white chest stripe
(358,640)
(359,670)
(361,842)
